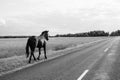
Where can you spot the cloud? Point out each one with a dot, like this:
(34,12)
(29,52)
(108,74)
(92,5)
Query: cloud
(2,21)
(59,16)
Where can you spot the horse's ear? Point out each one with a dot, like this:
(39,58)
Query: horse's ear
(46,31)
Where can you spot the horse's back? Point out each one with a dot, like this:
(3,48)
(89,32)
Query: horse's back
(32,41)
(36,42)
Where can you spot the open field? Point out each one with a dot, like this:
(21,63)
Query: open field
(12,50)
(16,46)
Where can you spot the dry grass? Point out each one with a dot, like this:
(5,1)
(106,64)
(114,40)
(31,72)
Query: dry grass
(12,47)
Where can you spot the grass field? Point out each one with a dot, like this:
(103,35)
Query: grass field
(12,50)
(16,46)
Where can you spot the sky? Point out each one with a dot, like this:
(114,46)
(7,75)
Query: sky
(31,17)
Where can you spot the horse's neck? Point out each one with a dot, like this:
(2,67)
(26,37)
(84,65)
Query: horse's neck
(40,38)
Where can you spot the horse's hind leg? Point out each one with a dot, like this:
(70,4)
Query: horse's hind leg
(33,55)
(39,53)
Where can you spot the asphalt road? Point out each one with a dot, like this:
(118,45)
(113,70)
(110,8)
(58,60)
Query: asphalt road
(76,64)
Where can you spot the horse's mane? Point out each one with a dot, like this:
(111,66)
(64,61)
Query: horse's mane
(44,32)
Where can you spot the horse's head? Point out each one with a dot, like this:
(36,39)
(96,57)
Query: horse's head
(45,34)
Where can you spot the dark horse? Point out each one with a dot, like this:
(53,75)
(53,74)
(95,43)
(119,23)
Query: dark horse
(39,42)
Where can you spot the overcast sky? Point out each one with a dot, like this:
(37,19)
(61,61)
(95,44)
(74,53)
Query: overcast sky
(30,17)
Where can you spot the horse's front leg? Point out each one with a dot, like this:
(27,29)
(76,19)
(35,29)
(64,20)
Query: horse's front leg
(30,58)
(45,51)
(39,53)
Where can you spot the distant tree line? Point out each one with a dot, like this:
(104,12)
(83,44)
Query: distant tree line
(14,36)
(115,33)
(18,36)
(90,34)
(84,34)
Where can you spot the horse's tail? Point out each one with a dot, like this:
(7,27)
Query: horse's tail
(27,49)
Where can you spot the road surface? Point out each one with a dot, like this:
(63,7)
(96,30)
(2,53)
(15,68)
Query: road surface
(82,63)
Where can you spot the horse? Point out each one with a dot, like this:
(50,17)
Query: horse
(37,42)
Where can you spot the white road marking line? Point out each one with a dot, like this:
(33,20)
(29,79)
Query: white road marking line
(106,50)
(83,74)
